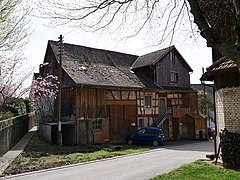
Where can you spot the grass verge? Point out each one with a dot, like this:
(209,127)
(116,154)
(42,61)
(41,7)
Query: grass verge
(200,170)
(39,155)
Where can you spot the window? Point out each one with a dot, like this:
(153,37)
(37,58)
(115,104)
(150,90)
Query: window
(174,77)
(173,60)
(175,99)
(148,101)
(141,131)
(141,123)
(97,124)
(151,131)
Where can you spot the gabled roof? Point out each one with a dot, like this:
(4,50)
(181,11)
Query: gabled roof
(97,67)
(224,64)
(154,57)
(103,68)
(151,58)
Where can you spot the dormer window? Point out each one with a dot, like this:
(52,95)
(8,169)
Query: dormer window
(174,77)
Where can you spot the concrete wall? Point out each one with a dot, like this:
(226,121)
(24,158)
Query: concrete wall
(12,130)
(228,109)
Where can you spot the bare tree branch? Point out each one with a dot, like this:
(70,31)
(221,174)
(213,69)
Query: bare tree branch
(164,19)
(213,38)
(14,24)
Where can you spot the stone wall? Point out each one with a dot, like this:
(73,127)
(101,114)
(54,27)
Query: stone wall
(228,109)
(12,130)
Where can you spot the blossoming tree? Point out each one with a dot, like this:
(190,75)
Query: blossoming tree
(43,93)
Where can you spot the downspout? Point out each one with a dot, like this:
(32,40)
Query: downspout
(215,115)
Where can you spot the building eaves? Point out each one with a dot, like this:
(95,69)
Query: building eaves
(223,65)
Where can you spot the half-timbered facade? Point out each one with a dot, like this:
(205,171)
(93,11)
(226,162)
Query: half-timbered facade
(107,95)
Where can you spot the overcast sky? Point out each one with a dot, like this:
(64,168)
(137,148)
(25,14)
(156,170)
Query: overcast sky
(197,54)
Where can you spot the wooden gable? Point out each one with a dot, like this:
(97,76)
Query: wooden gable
(172,70)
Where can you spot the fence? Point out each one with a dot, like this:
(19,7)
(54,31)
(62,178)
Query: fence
(12,130)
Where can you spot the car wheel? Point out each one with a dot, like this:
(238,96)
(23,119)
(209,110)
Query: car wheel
(155,142)
(162,143)
(129,141)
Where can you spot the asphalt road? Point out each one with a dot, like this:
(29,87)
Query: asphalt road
(133,167)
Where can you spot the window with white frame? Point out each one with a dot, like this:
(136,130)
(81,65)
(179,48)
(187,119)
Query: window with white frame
(148,101)
(97,124)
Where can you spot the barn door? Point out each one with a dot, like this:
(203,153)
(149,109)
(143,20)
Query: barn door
(122,121)
(115,122)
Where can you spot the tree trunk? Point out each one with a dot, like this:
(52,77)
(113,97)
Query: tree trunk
(231,51)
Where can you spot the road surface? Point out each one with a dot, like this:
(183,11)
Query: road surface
(134,167)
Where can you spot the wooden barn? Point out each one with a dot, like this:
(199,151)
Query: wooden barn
(107,95)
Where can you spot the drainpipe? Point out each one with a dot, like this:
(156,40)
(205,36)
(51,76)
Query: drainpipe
(215,115)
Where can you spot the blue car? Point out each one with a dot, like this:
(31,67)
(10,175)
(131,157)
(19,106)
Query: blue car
(147,135)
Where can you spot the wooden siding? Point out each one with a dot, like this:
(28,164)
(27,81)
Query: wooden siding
(229,79)
(68,103)
(166,66)
(91,103)
(190,100)
(180,112)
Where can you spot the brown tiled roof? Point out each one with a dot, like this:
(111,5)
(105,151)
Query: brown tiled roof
(97,67)
(224,64)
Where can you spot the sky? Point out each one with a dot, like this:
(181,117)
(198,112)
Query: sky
(197,54)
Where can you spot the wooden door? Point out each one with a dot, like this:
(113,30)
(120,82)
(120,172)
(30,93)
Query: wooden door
(122,121)
(175,125)
(115,122)
(130,120)
(162,106)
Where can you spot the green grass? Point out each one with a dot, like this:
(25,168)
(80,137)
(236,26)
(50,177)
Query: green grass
(200,170)
(37,141)
(38,158)
(73,158)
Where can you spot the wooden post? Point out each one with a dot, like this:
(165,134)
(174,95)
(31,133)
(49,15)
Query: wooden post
(60,51)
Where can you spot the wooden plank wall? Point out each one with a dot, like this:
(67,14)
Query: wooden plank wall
(91,103)
(190,100)
(166,66)
(68,103)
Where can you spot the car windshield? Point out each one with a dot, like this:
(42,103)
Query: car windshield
(141,131)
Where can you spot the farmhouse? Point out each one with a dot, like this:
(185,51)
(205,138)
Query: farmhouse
(107,95)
